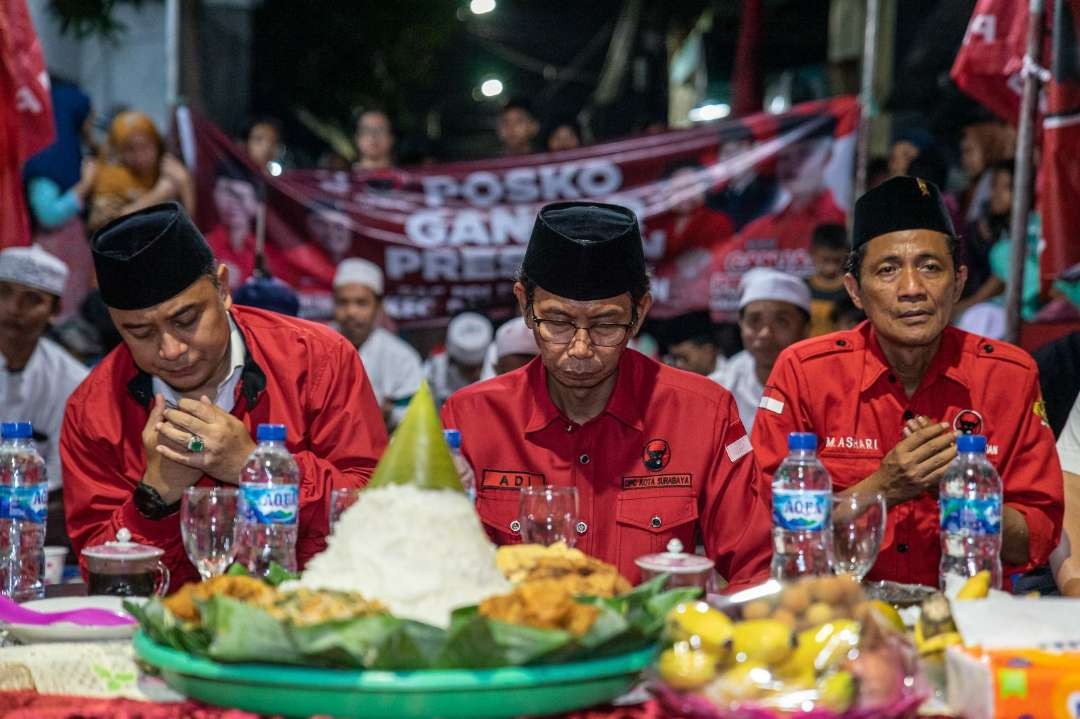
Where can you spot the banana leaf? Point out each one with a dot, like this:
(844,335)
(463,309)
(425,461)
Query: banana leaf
(378,641)
(245,633)
(164,628)
(476,642)
(412,646)
(275,574)
(235,631)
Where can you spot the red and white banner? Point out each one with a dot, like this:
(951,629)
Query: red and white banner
(989,65)
(26,121)
(714,202)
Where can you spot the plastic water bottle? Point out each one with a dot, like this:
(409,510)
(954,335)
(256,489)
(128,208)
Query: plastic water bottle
(465,470)
(802,511)
(24,506)
(269,505)
(970,499)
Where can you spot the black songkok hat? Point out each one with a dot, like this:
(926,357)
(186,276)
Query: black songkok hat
(585,251)
(900,203)
(149,256)
(695,326)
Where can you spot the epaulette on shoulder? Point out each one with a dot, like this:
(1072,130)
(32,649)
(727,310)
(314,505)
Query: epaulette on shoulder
(998,350)
(830,344)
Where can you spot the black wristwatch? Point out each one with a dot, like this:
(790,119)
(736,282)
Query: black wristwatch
(150,504)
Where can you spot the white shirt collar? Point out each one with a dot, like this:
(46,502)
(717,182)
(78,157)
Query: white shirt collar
(226,390)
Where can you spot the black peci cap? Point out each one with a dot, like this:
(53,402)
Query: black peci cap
(900,203)
(149,256)
(585,251)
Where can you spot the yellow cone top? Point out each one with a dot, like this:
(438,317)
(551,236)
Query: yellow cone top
(418,453)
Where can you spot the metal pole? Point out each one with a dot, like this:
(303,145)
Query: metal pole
(866,94)
(172,52)
(1022,184)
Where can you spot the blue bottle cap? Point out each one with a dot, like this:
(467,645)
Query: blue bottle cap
(453,438)
(971,443)
(802,441)
(16,430)
(270,433)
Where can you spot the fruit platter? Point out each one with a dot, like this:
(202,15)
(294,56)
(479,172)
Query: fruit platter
(816,647)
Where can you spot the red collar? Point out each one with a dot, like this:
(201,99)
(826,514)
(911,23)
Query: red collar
(947,361)
(625,404)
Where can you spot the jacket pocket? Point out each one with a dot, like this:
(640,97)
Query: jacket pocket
(646,524)
(498,510)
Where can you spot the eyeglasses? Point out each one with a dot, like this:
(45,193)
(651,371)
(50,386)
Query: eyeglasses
(605,334)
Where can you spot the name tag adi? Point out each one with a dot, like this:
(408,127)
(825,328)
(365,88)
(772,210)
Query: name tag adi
(510,479)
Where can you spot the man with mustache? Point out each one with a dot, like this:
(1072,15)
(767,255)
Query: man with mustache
(888,398)
(655,453)
(177,403)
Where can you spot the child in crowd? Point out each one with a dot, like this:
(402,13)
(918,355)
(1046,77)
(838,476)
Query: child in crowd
(828,251)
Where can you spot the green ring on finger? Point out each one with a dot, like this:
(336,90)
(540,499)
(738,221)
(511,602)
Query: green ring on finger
(195,444)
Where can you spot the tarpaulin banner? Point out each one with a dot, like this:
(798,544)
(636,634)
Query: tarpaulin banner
(26,121)
(714,201)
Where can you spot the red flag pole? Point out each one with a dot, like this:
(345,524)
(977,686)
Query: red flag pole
(866,95)
(746,78)
(1022,187)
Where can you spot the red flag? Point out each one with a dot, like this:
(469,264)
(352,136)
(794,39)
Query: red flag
(26,120)
(988,66)
(1059,173)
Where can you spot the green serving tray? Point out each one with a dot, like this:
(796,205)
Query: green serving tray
(303,691)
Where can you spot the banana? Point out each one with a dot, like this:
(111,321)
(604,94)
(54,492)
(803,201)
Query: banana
(976,587)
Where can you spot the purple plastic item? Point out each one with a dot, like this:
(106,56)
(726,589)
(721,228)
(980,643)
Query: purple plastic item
(12,613)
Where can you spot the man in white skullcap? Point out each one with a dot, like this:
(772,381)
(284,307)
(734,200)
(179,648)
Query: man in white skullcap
(467,338)
(36,374)
(514,346)
(774,312)
(392,365)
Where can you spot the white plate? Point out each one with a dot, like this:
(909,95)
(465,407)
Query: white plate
(67,632)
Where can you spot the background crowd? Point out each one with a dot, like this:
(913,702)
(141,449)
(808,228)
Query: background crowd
(105,164)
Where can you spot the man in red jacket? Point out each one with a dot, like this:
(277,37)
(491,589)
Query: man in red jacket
(177,403)
(656,454)
(888,398)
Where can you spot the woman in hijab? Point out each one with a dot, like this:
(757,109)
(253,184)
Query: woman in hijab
(138,172)
(57,182)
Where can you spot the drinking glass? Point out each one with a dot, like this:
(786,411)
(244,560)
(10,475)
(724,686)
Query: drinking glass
(340,500)
(548,515)
(207,521)
(858,525)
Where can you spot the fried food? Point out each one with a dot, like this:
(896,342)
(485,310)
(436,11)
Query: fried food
(303,607)
(544,604)
(579,573)
(182,604)
(515,560)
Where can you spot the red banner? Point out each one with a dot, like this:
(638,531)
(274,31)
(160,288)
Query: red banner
(26,121)
(989,64)
(714,201)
